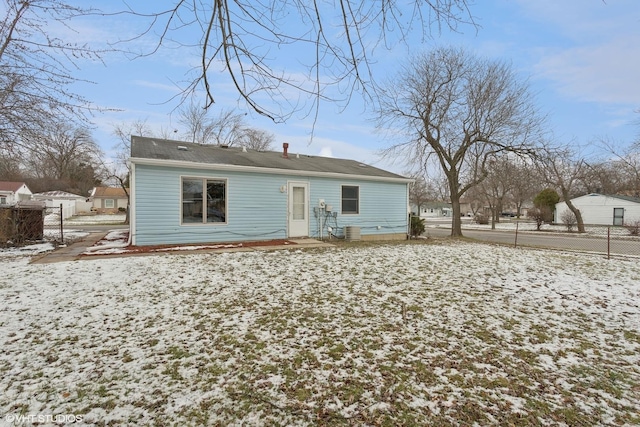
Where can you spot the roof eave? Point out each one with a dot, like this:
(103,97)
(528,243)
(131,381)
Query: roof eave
(256,169)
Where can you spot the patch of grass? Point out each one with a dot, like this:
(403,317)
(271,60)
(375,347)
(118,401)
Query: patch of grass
(632,336)
(173,371)
(177,352)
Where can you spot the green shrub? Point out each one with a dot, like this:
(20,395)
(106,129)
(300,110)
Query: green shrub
(417,226)
(546,201)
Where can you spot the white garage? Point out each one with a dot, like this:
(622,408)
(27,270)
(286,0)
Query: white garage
(598,209)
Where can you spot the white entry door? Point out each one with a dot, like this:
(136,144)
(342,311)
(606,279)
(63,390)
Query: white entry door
(298,209)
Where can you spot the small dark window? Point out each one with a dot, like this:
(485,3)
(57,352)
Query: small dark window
(350,199)
(618,216)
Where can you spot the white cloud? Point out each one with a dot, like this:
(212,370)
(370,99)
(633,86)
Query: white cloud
(604,73)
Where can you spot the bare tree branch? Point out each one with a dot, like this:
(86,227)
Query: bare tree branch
(246,40)
(36,68)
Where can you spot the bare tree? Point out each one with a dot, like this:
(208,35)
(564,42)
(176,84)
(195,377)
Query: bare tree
(563,167)
(461,109)
(119,171)
(66,157)
(419,193)
(202,128)
(228,128)
(497,185)
(256,139)
(475,198)
(526,183)
(36,68)
(335,43)
(626,160)
(606,177)
(10,166)
(123,132)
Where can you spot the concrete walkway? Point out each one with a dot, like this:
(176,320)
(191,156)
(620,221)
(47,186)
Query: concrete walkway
(74,251)
(70,252)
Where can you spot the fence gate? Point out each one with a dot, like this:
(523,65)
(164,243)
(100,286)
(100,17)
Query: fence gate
(53,223)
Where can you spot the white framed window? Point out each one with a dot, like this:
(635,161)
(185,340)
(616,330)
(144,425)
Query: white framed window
(350,199)
(3,200)
(204,201)
(109,203)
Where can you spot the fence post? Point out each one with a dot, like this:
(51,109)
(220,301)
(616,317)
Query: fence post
(515,243)
(61,228)
(608,242)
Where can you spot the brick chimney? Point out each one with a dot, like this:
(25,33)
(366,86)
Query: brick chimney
(285,147)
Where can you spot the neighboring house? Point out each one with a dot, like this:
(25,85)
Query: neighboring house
(433,210)
(12,192)
(190,193)
(598,209)
(108,200)
(72,204)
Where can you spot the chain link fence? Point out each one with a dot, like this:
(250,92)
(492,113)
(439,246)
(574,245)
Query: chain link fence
(608,240)
(54,224)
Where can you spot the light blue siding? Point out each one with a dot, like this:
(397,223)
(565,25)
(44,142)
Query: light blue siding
(256,206)
(382,206)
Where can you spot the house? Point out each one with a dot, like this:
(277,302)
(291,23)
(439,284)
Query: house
(12,192)
(433,210)
(598,209)
(109,200)
(72,204)
(190,193)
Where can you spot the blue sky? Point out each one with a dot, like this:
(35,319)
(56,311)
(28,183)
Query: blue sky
(581,57)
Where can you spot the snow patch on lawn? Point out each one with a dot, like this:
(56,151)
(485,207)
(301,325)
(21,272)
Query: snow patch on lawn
(447,333)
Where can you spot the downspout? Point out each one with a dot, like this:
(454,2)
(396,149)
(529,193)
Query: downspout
(132,203)
(408,213)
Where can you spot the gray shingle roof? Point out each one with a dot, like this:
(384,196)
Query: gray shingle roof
(627,198)
(164,149)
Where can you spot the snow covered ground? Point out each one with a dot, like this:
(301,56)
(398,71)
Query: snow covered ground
(444,333)
(95,219)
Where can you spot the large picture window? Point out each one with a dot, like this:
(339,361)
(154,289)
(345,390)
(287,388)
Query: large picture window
(350,199)
(204,201)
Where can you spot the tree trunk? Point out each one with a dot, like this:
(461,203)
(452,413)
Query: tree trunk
(493,218)
(578,215)
(126,216)
(456,221)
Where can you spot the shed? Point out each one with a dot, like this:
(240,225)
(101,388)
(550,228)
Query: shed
(599,209)
(72,204)
(191,193)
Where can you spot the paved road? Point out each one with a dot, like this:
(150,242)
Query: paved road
(548,240)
